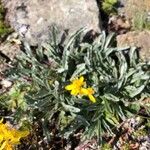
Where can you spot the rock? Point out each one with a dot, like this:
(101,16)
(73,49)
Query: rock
(137,12)
(9,49)
(33,19)
(118,24)
(132,7)
(6,83)
(138,39)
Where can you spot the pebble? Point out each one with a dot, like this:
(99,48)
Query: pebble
(6,83)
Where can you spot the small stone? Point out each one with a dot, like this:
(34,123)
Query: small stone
(6,83)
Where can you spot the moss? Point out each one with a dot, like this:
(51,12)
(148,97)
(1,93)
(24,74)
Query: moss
(139,133)
(106,147)
(4,28)
(108,6)
(125,146)
(141,21)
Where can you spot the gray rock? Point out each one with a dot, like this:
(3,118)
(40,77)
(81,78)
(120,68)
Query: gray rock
(33,19)
(138,39)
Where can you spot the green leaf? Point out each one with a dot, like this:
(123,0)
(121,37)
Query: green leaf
(111,97)
(133,91)
(70,108)
(66,52)
(80,70)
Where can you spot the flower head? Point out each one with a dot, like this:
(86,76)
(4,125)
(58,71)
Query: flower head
(75,86)
(10,136)
(88,92)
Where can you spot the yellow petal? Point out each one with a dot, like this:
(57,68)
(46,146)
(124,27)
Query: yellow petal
(74,92)
(84,91)
(81,79)
(9,146)
(92,98)
(1,138)
(17,135)
(1,120)
(69,87)
(90,91)
(3,145)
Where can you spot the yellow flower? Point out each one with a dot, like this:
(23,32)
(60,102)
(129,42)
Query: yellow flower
(10,136)
(6,146)
(88,92)
(75,86)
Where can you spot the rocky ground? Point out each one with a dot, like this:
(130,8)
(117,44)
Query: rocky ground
(136,11)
